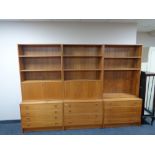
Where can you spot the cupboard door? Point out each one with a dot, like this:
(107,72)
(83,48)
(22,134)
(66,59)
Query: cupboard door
(53,90)
(122,112)
(32,91)
(83,89)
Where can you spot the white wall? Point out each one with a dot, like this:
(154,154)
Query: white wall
(149,42)
(146,39)
(13,33)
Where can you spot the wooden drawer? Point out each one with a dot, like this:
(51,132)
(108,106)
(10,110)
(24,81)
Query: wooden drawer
(83,119)
(35,115)
(122,112)
(40,124)
(42,107)
(82,107)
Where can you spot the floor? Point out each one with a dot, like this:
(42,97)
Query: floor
(15,129)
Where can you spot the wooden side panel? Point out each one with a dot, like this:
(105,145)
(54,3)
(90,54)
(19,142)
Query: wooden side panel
(83,89)
(32,91)
(54,90)
(41,115)
(122,112)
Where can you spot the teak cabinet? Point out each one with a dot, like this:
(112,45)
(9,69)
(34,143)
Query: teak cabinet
(79,86)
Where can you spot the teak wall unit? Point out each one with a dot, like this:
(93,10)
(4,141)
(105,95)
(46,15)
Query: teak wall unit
(79,86)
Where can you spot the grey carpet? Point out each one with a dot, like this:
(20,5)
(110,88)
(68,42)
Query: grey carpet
(15,129)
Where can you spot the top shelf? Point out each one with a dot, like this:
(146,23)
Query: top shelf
(129,57)
(39,56)
(83,56)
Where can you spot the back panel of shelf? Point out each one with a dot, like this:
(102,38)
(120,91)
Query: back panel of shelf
(121,82)
(122,51)
(82,50)
(39,50)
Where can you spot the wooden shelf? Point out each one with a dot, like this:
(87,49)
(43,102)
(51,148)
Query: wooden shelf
(118,95)
(122,57)
(82,80)
(82,70)
(121,69)
(41,70)
(40,56)
(84,56)
(36,81)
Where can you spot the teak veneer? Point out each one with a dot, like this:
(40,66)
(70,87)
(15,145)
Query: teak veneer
(79,86)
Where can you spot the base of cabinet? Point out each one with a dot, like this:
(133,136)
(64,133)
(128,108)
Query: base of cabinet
(42,129)
(82,127)
(121,125)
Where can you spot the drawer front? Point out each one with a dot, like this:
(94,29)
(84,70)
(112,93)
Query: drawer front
(42,107)
(39,124)
(119,112)
(41,115)
(82,107)
(124,103)
(85,119)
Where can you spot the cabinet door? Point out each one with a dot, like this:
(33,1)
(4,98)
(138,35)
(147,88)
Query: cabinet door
(83,89)
(122,112)
(53,90)
(32,91)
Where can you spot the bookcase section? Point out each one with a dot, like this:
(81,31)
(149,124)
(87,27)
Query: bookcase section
(72,86)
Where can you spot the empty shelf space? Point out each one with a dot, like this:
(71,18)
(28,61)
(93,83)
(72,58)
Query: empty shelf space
(40,75)
(118,95)
(122,51)
(82,56)
(121,69)
(82,50)
(85,75)
(87,70)
(39,56)
(41,70)
(40,50)
(36,81)
(122,63)
(134,57)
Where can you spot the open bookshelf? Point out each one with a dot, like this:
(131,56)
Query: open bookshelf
(76,85)
(82,62)
(122,65)
(40,62)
